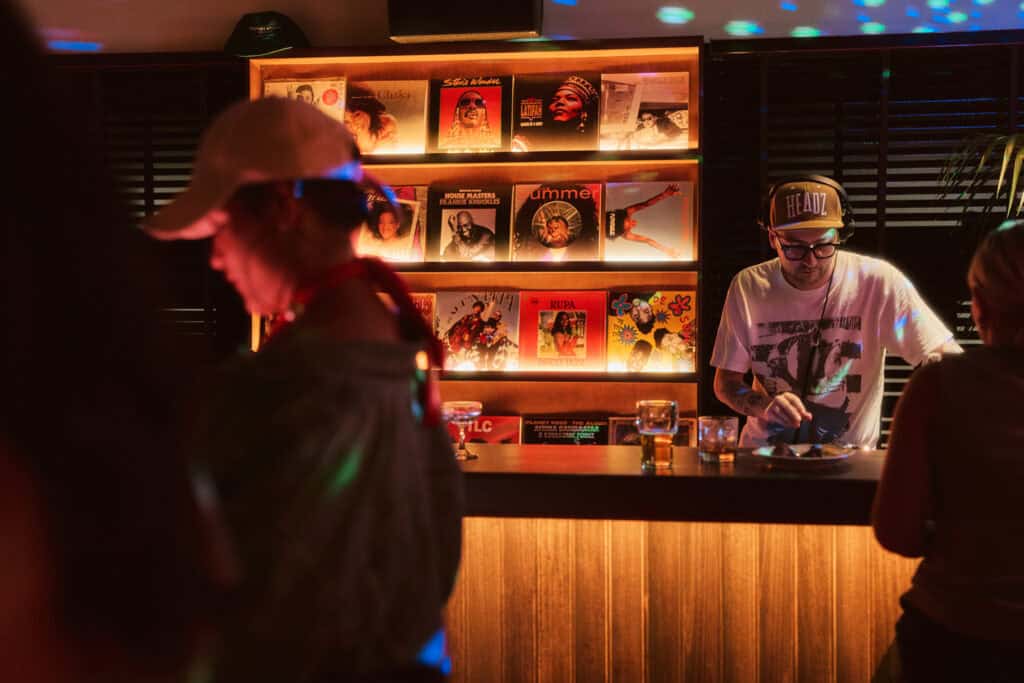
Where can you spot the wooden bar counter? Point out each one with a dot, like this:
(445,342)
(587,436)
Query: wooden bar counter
(578,567)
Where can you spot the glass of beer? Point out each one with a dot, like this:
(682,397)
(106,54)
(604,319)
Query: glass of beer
(717,435)
(657,422)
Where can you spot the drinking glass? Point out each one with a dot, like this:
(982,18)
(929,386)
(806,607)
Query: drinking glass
(657,422)
(717,435)
(462,414)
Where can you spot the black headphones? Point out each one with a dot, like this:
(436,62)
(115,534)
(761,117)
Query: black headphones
(845,232)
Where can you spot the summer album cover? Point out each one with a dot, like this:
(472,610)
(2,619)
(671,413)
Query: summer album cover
(652,331)
(645,111)
(479,330)
(327,94)
(469,114)
(557,222)
(388,117)
(562,331)
(649,221)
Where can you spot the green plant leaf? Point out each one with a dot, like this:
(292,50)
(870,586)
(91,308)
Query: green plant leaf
(1017,162)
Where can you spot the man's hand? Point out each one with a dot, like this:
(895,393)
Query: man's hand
(786,409)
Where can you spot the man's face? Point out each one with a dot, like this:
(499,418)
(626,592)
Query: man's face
(647,120)
(472,109)
(809,272)
(387,225)
(263,288)
(304,95)
(464,226)
(565,105)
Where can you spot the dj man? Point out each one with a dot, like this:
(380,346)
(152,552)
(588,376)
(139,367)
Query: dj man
(814,326)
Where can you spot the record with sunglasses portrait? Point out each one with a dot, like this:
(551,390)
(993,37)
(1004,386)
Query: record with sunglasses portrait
(469,114)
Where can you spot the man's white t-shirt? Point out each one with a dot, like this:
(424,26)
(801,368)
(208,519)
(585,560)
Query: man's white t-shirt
(768,326)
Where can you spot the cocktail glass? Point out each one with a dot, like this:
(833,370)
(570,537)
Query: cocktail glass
(461,414)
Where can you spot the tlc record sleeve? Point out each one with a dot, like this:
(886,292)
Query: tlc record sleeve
(326,94)
(469,223)
(562,331)
(568,430)
(645,111)
(557,222)
(556,112)
(479,330)
(649,221)
(388,117)
(470,114)
(490,429)
(622,431)
(652,331)
(390,236)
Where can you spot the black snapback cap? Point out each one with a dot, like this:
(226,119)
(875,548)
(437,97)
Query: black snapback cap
(259,34)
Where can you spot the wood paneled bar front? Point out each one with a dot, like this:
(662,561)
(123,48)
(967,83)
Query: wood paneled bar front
(578,567)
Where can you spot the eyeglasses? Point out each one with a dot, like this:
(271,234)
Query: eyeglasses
(478,101)
(798,252)
(646,118)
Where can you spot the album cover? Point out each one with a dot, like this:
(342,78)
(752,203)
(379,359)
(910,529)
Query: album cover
(479,330)
(426,304)
(469,223)
(326,94)
(394,236)
(556,112)
(649,221)
(645,111)
(557,222)
(387,117)
(470,114)
(652,331)
(567,430)
(490,429)
(562,331)
(622,431)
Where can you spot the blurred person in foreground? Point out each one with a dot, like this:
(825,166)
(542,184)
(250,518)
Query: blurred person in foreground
(337,479)
(107,575)
(950,491)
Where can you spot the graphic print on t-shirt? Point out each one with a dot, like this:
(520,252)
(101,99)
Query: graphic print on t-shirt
(781,357)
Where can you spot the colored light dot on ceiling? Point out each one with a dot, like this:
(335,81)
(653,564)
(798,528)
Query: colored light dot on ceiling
(938,4)
(788,6)
(957,17)
(674,15)
(872,27)
(1021,7)
(984,2)
(805,32)
(923,29)
(571,3)
(743,28)
(863,18)
(886,73)
(869,3)
(913,12)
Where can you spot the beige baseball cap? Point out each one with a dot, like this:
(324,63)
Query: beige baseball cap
(805,204)
(259,141)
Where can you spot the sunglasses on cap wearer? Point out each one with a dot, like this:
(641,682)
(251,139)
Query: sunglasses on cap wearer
(478,101)
(798,252)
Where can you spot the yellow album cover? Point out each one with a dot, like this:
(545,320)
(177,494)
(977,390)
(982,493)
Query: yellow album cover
(652,331)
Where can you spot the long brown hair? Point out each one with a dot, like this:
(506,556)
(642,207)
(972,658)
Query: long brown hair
(996,279)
